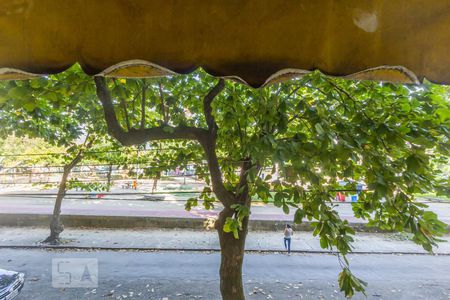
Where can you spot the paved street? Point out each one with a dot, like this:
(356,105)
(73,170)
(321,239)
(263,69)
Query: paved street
(173,206)
(177,275)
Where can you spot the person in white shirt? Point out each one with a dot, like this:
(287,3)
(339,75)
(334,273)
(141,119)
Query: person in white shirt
(288,232)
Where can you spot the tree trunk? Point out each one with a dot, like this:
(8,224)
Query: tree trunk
(109,177)
(56,226)
(155,182)
(232,257)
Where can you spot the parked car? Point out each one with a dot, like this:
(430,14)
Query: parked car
(11,283)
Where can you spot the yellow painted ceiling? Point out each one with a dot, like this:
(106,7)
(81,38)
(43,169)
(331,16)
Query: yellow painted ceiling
(254,41)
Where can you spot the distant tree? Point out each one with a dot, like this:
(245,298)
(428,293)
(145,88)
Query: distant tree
(23,150)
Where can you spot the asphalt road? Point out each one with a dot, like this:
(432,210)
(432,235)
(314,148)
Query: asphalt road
(175,275)
(171,207)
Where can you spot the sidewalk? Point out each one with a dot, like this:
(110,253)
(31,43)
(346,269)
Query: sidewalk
(170,213)
(194,240)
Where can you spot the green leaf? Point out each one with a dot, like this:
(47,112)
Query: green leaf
(323,243)
(18,92)
(348,283)
(29,106)
(232,226)
(299,215)
(319,128)
(191,202)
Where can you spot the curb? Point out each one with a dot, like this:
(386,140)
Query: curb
(124,222)
(151,249)
(128,222)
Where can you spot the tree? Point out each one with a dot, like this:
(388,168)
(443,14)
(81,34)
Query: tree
(318,130)
(56,225)
(24,150)
(52,108)
(18,156)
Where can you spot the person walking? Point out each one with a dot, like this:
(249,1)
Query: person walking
(288,232)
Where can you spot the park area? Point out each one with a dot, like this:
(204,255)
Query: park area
(224,150)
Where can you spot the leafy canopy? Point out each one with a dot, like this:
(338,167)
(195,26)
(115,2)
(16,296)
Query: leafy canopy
(302,138)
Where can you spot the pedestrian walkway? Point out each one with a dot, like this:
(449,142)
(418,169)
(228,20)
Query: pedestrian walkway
(177,239)
(133,213)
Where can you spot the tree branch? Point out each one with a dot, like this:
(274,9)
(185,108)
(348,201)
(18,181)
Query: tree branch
(206,138)
(108,107)
(81,151)
(144,88)
(139,136)
(242,187)
(207,109)
(124,108)
(296,116)
(163,105)
(349,96)
(209,145)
